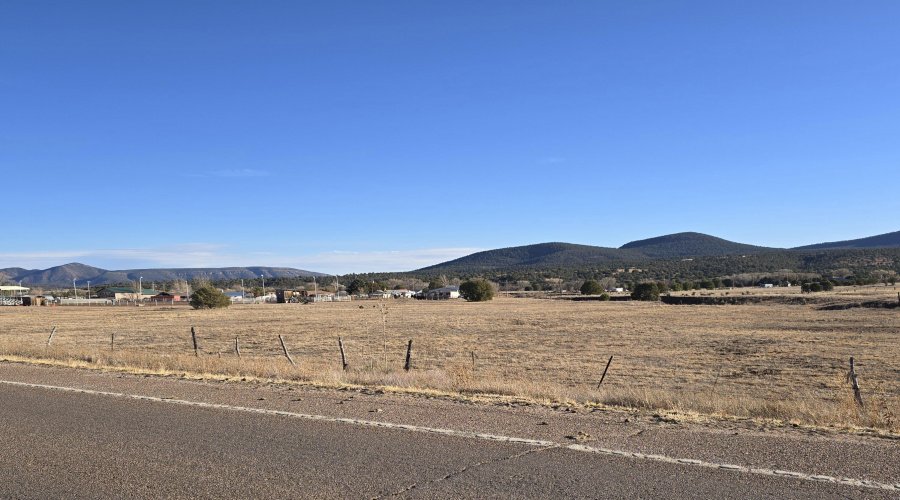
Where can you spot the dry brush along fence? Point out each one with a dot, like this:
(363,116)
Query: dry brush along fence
(771,361)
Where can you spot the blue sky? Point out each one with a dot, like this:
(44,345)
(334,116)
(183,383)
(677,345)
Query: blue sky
(377,136)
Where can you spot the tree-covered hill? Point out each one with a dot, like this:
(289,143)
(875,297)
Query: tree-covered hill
(542,255)
(689,245)
(568,255)
(676,256)
(879,241)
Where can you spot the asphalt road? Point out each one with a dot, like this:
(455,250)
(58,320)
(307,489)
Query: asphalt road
(64,444)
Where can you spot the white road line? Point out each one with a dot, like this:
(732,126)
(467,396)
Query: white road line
(489,437)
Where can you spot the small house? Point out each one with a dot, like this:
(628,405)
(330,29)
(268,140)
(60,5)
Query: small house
(124,292)
(170,296)
(443,293)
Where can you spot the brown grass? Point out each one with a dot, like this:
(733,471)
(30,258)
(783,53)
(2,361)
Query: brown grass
(769,360)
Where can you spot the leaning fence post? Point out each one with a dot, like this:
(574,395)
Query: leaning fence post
(284,348)
(194,339)
(408,354)
(343,358)
(854,383)
(604,371)
(51,335)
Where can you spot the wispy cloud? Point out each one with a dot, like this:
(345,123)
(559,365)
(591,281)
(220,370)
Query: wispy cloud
(220,255)
(553,159)
(243,172)
(343,262)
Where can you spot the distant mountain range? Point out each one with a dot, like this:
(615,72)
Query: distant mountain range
(80,273)
(672,246)
(540,256)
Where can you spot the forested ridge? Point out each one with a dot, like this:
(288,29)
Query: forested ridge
(849,266)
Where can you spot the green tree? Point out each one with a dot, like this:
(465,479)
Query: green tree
(604,296)
(662,286)
(357,286)
(371,286)
(827,286)
(645,291)
(591,287)
(476,291)
(435,284)
(257,291)
(207,297)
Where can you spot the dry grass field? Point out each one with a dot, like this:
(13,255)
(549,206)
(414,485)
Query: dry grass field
(772,360)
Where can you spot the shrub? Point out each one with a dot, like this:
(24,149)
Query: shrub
(604,296)
(591,287)
(645,291)
(476,291)
(207,297)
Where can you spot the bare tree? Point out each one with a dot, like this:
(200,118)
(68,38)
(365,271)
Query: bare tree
(136,293)
(608,284)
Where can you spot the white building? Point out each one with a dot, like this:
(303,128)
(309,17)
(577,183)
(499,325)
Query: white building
(447,292)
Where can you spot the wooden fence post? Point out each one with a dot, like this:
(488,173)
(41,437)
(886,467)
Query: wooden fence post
(854,383)
(343,357)
(51,335)
(604,371)
(237,347)
(408,354)
(194,339)
(284,348)
(112,342)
